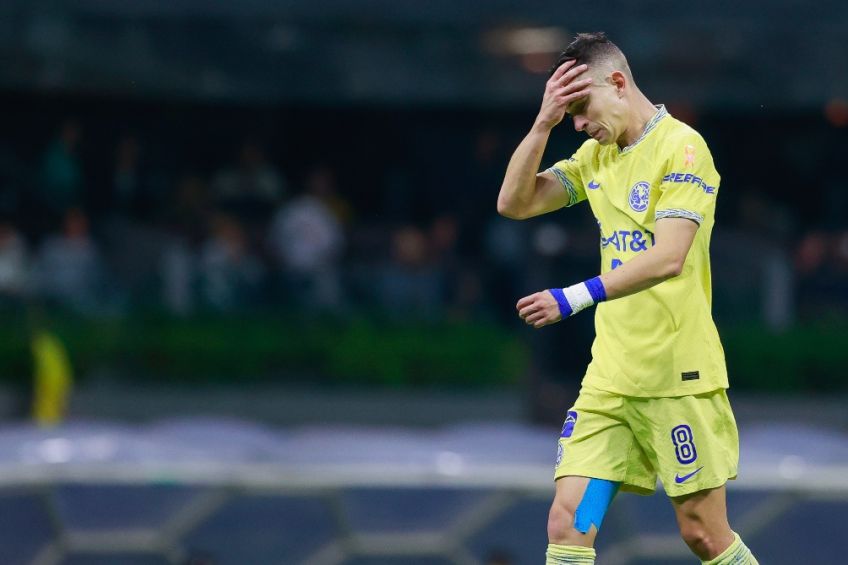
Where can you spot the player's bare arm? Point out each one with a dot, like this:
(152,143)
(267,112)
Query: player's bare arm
(665,260)
(659,263)
(525,192)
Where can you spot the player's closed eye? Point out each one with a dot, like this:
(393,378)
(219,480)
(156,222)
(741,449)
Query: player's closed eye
(578,108)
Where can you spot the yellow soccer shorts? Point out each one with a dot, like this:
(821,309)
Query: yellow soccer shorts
(690,442)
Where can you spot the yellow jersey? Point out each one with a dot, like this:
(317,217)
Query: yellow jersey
(662,341)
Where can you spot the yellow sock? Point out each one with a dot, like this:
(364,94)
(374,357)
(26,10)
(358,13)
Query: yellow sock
(737,554)
(569,555)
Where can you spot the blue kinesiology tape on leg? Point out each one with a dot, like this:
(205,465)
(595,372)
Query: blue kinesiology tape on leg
(596,500)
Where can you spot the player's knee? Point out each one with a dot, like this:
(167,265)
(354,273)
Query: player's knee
(561,524)
(699,539)
(568,523)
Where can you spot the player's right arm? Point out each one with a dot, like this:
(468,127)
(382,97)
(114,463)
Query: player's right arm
(525,192)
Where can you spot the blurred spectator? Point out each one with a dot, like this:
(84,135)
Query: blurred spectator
(411,285)
(191,208)
(840,252)
(125,205)
(322,182)
(13,262)
(821,261)
(307,239)
(68,266)
(177,271)
(14,173)
(253,186)
(475,199)
(61,179)
(812,258)
(762,215)
(467,296)
(444,233)
(811,254)
(507,251)
(129,194)
(840,271)
(463,289)
(777,290)
(229,273)
(187,222)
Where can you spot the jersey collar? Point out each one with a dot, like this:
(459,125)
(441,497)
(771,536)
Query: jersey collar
(652,123)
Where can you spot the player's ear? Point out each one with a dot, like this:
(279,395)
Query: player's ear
(619,81)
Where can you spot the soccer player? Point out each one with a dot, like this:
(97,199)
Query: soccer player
(653,402)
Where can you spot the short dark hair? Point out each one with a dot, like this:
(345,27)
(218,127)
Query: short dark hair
(590,48)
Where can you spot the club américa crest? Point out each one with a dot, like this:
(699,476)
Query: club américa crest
(639,196)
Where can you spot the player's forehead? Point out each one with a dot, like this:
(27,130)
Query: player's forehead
(578,105)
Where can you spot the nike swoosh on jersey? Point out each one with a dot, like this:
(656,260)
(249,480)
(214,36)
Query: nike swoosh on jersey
(594,185)
(678,479)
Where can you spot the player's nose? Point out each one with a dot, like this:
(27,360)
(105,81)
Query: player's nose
(580,123)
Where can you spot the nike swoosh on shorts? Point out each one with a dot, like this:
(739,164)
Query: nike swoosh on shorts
(678,479)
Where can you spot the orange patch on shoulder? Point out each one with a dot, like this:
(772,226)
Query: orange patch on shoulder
(689,155)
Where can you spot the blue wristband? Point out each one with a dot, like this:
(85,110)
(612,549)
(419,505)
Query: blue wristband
(564,307)
(596,289)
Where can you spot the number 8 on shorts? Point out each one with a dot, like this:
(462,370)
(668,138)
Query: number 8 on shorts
(684,445)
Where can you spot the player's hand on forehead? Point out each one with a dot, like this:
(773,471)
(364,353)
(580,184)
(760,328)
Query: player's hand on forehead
(568,70)
(564,87)
(569,81)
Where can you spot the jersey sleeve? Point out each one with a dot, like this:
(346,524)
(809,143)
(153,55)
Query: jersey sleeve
(690,182)
(567,172)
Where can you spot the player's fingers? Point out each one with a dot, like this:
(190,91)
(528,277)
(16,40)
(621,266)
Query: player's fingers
(562,68)
(540,321)
(526,301)
(534,317)
(575,86)
(527,310)
(571,74)
(576,90)
(566,99)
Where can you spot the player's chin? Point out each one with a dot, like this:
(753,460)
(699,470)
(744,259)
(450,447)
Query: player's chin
(602,138)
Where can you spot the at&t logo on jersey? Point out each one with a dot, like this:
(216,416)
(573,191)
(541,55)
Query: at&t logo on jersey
(639,196)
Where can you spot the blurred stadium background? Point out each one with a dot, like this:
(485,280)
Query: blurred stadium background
(258,304)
